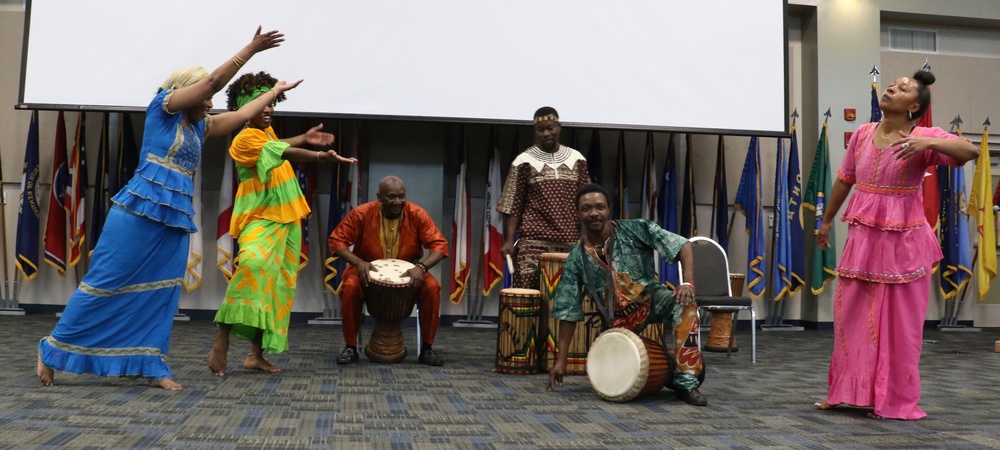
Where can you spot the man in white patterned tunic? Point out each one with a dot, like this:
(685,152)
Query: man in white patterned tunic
(538,199)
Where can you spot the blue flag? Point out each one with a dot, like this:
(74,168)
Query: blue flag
(593,157)
(956,266)
(666,210)
(781,276)
(620,208)
(26,256)
(333,266)
(720,199)
(796,235)
(748,200)
(689,220)
(876,115)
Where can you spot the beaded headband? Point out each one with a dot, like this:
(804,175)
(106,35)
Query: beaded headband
(551,117)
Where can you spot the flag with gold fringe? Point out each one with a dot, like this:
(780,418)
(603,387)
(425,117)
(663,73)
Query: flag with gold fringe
(795,234)
(781,275)
(26,248)
(748,200)
(981,208)
(956,265)
(56,246)
(196,242)
(461,231)
(824,263)
(493,265)
(78,193)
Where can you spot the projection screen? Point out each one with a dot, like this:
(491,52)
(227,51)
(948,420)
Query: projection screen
(714,66)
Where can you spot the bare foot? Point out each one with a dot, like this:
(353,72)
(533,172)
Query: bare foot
(217,360)
(45,374)
(872,415)
(166,383)
(257,362)
(824,405)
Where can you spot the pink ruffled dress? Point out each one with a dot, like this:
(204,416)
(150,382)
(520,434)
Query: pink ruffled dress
(881,299)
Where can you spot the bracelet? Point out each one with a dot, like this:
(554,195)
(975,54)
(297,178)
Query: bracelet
(422,266)
(317,157)
(687,284)
(238,61)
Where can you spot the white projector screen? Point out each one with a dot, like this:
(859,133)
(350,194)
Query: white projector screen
(714,66)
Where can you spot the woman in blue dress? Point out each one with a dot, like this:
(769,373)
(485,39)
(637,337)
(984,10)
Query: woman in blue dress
(118,321)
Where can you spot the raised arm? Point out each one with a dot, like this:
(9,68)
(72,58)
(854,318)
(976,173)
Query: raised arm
(196,93)
(223,124)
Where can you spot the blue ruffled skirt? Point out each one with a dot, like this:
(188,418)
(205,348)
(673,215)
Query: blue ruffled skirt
(118,321)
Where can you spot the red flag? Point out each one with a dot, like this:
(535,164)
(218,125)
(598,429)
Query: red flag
(55,221)
(493,265)
(78,193)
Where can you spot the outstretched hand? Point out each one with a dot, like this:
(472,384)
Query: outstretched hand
(283,86)
(261,42)
(316,137)
(330,155)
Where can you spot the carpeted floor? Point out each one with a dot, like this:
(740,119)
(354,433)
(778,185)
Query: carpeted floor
(313,403)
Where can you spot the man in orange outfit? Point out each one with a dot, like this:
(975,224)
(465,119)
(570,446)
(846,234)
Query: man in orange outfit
(389,227)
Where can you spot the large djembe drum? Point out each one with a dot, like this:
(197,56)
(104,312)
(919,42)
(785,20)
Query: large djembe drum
(722,320)
(517,332)
(389,300)
(551,267)
(623,366)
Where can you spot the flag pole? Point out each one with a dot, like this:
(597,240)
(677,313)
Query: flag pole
(6,296)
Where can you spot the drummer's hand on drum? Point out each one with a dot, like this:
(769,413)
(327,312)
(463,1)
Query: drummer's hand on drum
(684,295)
(556,374)
(363,268)
(416,275)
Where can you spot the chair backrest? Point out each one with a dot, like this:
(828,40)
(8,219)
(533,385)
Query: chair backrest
(711,268)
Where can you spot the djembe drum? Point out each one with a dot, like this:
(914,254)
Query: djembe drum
(722,320)
(623,366)
(551,267)
(517,332)
(389,300)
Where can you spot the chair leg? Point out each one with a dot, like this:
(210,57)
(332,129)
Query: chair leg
(732,334)
(701,347)
(753,336)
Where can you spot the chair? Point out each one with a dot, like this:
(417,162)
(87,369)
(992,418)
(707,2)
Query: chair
(713,291)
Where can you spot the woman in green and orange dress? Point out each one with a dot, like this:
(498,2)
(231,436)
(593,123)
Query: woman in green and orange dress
(267,212)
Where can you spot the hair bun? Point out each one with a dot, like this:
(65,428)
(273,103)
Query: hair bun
(925,77)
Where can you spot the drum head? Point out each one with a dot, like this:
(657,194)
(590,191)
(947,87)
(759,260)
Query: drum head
(614,363)
(391,271)
(553,256)
(519,292)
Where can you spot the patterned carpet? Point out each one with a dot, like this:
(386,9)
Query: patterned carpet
(313,403)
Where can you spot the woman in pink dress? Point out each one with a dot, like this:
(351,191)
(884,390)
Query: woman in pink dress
(884,271)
